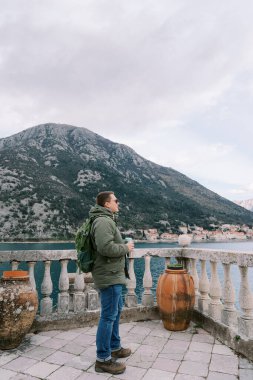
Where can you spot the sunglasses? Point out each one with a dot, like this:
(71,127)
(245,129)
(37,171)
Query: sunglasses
(116,201)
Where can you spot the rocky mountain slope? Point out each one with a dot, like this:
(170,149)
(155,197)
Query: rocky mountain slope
(248,204)
(51,173)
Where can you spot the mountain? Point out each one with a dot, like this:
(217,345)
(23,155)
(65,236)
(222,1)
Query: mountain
(248,204)
(51,173)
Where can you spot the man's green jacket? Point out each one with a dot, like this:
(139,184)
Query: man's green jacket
(110,250)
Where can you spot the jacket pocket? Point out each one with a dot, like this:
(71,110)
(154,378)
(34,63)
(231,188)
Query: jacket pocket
(115,265)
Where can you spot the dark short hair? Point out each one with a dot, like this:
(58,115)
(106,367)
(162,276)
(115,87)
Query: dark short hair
(103,197)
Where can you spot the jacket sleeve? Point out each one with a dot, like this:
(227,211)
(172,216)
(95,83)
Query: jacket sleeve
(103,232)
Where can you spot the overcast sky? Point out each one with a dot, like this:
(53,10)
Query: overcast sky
(171,79)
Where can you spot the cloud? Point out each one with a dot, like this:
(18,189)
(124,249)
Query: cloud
(248,189)
(171,79)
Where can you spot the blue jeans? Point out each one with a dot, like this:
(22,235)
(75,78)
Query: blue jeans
(107,339)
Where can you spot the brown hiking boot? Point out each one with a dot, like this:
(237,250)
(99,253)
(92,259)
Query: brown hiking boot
(110,366)
(122,353)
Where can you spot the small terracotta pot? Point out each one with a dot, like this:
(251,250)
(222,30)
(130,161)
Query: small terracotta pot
(18,307)
(175,298)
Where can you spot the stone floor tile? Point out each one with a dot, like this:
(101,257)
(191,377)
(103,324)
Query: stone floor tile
(73,348)
(141,330)
(186,337)
(194,356)
(200,347)
(20,364)
(127,326)
(221,349)
(160,333)
(94,376)
(92,330)
(193,368)
(182,376)
(22,376)
(220,376)
(134,338)
(68,335)
(39,353)
(89,353)
(143,357)
(153,374)
(37,339)
(6,357)
(83,330)
(59,357)
(155,352)
(175,347)
(51,333)
(172,356)
(41,369)
(85,340)
(216,341)
(166,365)
(202,331)
(245,374)
(23,348)
(224,363)
(131,373)
(68,373)
(150,324)
(54,343)
(80,362)
(203,338)
(6,374)
(133,346)
(245,363)
(154,341)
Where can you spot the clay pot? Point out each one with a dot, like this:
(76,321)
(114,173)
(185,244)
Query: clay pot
(18,307)
(175,298)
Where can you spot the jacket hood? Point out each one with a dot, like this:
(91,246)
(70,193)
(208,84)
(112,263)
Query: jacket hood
(100,211)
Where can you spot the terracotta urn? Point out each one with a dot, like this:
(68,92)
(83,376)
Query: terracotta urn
(175,298)
(18,307)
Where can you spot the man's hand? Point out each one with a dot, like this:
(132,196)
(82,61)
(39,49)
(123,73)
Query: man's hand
(130,246)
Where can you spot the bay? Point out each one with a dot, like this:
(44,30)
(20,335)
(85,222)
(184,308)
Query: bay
(157,264)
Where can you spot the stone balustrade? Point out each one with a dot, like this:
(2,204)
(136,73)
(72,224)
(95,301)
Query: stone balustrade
(215,295)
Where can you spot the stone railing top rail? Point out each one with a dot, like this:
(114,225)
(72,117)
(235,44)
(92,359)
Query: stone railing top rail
(228,257)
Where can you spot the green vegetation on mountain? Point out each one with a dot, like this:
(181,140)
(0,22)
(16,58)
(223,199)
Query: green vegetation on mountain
(51,173)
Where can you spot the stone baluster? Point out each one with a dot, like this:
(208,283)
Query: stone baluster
(167,262)
(147,297)
(131,298)
(63,296)
(204,299)
(215,305)
(229,313)
(14,265)
(31,265)
(186,263)
(245,322)
(195,277)
(79,297)
(46,304)
(92,299)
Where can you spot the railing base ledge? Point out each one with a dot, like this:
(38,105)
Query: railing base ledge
(57,321)
(240,344)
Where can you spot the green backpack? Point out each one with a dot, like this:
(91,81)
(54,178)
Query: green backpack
(84,247)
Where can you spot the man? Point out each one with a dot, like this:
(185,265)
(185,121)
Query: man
(109,274)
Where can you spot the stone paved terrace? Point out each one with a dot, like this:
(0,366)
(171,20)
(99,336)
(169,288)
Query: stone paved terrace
(157,354)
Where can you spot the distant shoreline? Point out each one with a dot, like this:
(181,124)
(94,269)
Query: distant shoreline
(136,241)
